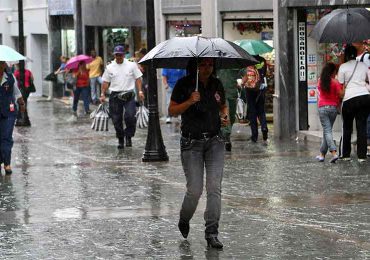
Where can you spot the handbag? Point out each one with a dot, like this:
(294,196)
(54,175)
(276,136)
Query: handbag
(340,104)
(51,77)
(32,88)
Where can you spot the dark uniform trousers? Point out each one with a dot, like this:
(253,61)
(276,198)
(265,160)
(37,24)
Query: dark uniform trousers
(123,110)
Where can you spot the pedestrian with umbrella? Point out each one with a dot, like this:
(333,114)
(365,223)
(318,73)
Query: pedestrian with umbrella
(356,103)
(9,96)
(349,26)
(200,99)
(203,112)
(81,75)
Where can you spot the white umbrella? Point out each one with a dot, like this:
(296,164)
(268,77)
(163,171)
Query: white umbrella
(9,54)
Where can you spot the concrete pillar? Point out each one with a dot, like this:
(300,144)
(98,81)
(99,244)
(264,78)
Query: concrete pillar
(55,47)
(210,16)
(285,119)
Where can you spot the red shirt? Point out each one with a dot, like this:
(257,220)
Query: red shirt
(27,77)
(83,79)
(330,98)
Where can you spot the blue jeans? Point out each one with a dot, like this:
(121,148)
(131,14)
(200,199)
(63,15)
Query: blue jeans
(256,109)
(85,94)
(195,156)
(327,115)
(117,108)
(6,139)
(95,88)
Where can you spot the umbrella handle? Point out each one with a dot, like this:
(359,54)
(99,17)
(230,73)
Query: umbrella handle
(197,84)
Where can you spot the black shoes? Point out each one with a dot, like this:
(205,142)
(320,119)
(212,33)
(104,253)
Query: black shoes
(264,135)
(128,142)
(228,146)
(184,228)
(121,144)
(213,242)
(8,171)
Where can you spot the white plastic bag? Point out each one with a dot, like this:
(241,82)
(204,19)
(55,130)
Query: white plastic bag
(100,118)
(142,117)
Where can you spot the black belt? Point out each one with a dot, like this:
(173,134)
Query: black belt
(199,136)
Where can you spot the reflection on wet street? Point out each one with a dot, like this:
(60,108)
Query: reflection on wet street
(73,195)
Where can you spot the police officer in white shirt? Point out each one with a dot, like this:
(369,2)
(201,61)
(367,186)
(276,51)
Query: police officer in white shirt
(121,76)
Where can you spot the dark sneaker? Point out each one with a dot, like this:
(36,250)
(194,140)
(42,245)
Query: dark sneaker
(184,228)
(264,135)
(228,146)
(128,142)
(121,144)
(213,242)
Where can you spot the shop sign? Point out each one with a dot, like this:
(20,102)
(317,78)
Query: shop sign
(61,7)
(302,50)
(312,94)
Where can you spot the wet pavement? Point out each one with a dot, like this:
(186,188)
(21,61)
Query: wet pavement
(73,195)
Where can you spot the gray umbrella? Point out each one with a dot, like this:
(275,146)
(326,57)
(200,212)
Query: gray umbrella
(178,51)
(343,26)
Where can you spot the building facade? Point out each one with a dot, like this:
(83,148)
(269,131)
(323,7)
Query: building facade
(36,31)
(229,19)
(299,60)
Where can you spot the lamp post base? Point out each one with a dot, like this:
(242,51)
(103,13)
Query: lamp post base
(155,150)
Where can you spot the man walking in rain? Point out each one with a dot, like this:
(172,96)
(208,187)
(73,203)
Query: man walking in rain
(121,77)
(203,112)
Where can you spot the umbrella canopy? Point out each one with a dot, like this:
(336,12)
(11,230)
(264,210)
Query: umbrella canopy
(178,51)
(9,54)
(343,26)
(76,60)
(254,47)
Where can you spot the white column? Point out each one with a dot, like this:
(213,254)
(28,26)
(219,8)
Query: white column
(209,18)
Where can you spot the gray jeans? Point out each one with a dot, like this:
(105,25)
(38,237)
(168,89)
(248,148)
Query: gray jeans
(327,114)
(195,156)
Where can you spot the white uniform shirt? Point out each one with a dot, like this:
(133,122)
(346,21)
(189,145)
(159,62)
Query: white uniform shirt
(122,77)
(357,86)
(16,92)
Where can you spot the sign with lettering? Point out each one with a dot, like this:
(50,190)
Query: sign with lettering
(61,7)
(302,50)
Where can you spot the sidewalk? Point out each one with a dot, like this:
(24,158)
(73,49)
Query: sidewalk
(74,195)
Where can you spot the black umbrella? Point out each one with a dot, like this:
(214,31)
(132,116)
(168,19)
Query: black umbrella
(178,51)
(343,26)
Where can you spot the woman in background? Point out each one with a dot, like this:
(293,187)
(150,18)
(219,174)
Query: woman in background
(9,96)
(356,103)
(328,99)
(82,88)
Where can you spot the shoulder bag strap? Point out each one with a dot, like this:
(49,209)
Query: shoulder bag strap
(350,78)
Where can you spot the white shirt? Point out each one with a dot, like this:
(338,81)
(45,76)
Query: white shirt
(122,77)
(357,86)
(16,92)
(366,59)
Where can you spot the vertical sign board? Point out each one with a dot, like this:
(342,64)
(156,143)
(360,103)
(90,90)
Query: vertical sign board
(302,70)
(61,7)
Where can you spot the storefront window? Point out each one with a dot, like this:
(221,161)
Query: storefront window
(68,43)
(183,28)
(256,30)
(318,54)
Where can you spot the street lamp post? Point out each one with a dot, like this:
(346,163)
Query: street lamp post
(78,27)
(21,43)
(154,148)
